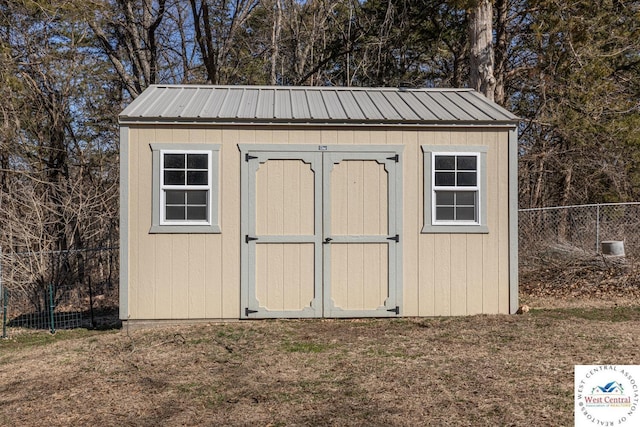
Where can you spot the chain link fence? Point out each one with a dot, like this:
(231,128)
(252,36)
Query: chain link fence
(76,288)
(578,229)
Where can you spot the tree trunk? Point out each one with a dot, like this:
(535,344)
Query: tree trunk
(275,40)
(540,180)
(204,38)
(481,58)
(501,53)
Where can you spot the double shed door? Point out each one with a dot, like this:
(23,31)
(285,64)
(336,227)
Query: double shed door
(320,231)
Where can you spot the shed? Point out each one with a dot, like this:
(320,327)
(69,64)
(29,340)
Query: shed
(243,202)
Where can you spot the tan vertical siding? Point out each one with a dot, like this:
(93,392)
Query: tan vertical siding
(197,280)
(230,220)
(163,277)
(172,276)
(213,278)
(474,274)
(213,242)
(411,212)
(147,292)
(177,276)
(426,242)
(503,230)
(458,279)
(133,249)
(179,286)
(442,274)
(490,250)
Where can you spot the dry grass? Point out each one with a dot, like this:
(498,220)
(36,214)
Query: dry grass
(462,371)
(478,370)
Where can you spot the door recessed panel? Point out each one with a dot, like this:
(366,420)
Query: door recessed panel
(285,198)
(285,276)
(359,192)
(359,275)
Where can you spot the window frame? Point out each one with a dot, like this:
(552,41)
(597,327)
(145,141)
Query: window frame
(431,224)
(159,222)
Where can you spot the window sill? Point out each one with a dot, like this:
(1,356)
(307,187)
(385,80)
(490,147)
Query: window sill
(454,229)
(185,229)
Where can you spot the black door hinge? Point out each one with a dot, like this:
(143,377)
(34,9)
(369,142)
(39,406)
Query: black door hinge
(395,310)
(247,238)
(248,157)
(396,238)
(247,312)
(396,158)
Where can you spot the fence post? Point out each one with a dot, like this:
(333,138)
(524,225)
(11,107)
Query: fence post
(51,308)
(5,297)
(93,323)
(598,228)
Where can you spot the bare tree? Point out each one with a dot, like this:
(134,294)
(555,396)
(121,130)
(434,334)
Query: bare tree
(275,41)
(127,31)
(217,26)
(481,52)
(59,192)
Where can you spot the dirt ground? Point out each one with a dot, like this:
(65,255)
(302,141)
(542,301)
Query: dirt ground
(498,370)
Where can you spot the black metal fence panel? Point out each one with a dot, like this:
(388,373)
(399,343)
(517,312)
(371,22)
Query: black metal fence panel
(81,294)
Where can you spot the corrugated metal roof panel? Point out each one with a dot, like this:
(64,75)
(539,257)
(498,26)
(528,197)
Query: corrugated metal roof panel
(438,110)
(333,105)
(420,109)
(299,104)
(384,106)
(138,107)
(161,102)
(447,102)
(197,104)
(231,103)
(268,104)
(351,108)
(248,104)
(469,104)
(493,110)
(317,107)
(398,100)
(180,102)
(265,103)
(214,104)
(366,104)
(282,106)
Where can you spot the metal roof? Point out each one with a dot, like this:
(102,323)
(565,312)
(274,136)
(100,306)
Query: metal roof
(313,105)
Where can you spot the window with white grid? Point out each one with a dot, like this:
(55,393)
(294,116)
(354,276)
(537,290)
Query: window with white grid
(455,189)
(185,188)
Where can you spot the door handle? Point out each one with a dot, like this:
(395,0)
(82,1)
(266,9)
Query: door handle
(327,240)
